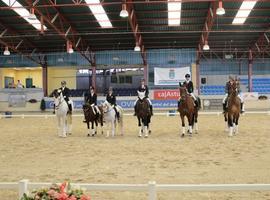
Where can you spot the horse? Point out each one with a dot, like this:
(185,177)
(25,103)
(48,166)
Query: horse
(232,114)
(187,109)
(110,118)
(64,118)
(90,116)
(143,115)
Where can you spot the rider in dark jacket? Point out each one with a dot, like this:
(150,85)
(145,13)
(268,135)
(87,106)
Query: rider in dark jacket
(112,100)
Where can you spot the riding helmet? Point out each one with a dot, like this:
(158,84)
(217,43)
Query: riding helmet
(187,76)
(63,82)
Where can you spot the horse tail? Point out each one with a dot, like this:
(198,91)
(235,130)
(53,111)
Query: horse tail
(199,103)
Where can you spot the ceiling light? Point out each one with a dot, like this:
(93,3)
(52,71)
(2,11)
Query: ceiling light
(6,52)
(137,47)
(220,10)
(32,15)
(124,12)
(206,46)
(243,12)
(99,13)
(24,13)
(174,13)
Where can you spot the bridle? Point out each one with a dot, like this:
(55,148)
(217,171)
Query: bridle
(61,100)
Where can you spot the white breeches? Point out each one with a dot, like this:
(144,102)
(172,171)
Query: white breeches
(93,106)
(149,101)
(226,96)
(193,96)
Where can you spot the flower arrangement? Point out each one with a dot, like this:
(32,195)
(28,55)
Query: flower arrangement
(57,192)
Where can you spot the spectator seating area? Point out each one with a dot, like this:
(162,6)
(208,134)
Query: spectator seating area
(260,85)
(117,92)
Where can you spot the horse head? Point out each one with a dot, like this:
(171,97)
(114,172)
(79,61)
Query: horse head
(141,95)
(233,88)
(183,92)
(58,97)
(106,106)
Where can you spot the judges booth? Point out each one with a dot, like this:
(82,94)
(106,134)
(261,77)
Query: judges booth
(20,99)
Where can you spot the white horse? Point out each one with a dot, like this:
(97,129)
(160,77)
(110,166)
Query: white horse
(110,118)
(64,119)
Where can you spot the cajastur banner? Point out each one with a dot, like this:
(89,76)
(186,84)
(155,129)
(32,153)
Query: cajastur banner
(166,94)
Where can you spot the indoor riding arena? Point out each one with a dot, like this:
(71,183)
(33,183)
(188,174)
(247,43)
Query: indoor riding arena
(134,68)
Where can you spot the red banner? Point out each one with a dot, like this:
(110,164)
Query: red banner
(166,94)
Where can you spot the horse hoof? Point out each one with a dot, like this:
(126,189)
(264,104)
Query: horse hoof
(146,136)
(183,135)
(88,135)
(95,132)
(69,133)
(93,135)
(190,135)
(139,135)
(150,132)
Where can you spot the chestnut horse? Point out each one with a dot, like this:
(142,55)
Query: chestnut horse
(234,107)
(188,109)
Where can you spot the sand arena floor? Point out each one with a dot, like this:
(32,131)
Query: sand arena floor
(30,149)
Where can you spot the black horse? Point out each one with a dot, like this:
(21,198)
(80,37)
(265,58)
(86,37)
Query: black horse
(143,114)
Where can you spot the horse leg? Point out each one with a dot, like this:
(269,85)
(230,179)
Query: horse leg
(96,122)
(69,124)
(88,128)
(59,126)
(236,124)
(149,120)
(113,128)
(63,126)
(190,124)
(140,127)
(183,125)
(145,127)
(121,124)
(196,123)
(230,123)
(92,129)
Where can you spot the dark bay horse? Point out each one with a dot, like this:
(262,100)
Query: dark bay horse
(143,114)
(90,116)
(232,114)
(187,109)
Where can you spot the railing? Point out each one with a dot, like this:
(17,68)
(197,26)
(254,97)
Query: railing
(126,114)
(151,188)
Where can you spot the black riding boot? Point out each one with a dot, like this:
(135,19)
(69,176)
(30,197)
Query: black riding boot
(70,108)
(135,110)
(53,108)
(242,111)
(224,107)
(196,104)
(117,114)
(151,110)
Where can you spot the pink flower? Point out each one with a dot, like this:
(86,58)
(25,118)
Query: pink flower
(72,198)
(51,193)
(63,187)
(84,197)
(62,196)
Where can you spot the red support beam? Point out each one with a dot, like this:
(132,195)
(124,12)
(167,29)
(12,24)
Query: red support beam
(63,32)
(209,21)
(136,31)
(261,45)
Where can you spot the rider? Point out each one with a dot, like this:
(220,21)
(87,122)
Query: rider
(66,94)
(112,100)
(227,87)
(189,85)
(143,88)
(91,99)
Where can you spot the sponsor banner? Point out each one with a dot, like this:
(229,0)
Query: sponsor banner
(170,76)
(123,103)
(166,94)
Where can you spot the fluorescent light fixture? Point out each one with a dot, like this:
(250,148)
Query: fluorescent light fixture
(243,12)
(99,13)
(206,46)
(24,13)
(124,12)
(220,10)
(6,52)
(174,13)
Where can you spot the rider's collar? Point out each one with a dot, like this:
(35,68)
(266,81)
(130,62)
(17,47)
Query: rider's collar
(63,88)
(187,80)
